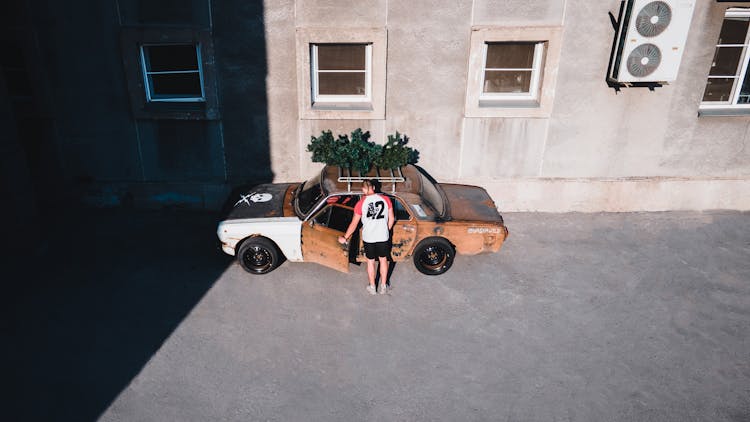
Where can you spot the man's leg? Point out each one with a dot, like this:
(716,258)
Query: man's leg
(383,273)
(371,271)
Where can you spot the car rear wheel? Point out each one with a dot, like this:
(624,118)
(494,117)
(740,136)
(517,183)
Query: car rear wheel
(434,256)
(258,255)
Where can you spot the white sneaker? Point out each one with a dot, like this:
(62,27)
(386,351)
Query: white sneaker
(371,289)
(383,289)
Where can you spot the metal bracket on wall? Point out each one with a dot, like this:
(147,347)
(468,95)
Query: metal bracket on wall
(615,84)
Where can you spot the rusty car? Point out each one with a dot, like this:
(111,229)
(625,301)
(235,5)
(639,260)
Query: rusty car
(301,222)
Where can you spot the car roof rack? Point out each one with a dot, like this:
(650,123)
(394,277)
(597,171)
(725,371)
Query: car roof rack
(381,175)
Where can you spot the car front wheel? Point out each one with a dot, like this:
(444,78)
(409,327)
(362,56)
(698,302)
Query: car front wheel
(258,255)
(434,256)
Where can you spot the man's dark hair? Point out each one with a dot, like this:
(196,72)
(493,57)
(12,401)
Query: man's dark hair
(375,184)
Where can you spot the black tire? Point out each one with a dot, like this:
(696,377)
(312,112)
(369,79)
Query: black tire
(434,256)
(258,255)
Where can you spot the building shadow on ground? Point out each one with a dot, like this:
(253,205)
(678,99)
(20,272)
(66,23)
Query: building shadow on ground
(97,300)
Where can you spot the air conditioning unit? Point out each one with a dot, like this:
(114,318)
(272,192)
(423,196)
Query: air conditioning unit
(650,40)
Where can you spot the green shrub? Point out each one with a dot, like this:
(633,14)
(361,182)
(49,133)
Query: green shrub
(359,153)
(326,149)
(362,153)
(396,154)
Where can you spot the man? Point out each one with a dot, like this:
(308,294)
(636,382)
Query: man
(376,213)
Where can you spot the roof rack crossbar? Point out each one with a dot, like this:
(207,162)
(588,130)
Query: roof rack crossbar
(393,178)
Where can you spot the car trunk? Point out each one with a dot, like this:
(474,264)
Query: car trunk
(470,203)
(263,201)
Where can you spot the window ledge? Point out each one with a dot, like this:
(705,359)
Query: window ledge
(175,110)
(724,111)
(509,103)
(342,106)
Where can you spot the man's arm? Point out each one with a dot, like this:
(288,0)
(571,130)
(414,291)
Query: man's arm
(350,230)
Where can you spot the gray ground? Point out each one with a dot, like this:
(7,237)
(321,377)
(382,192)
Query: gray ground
(580,317)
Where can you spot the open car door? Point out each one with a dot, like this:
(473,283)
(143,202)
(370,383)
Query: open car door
(404,231)
(320,237)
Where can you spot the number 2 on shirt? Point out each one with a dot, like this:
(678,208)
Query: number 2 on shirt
(376,214)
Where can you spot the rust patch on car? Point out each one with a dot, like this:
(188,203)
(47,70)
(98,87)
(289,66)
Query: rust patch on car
(288,206)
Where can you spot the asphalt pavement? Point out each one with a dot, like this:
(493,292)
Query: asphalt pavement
(136,316)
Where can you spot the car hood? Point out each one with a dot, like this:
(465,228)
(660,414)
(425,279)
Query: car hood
(262,201)
(470,203)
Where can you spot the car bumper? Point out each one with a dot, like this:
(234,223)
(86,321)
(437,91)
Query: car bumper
(228,249)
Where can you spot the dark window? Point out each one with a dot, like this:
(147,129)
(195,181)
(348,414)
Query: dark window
(323,217)
(340,218)
(340,70)
(172,72)
(512,69)
(399,210)
(309,195)
(432,196)
(335,218)
(509,67)
(728,81)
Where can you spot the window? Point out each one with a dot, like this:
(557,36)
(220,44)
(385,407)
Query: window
(432,196)
(511,70)
(341,72)
(172,72)
(399,210)
(308,195)
(728,84)
(335,218)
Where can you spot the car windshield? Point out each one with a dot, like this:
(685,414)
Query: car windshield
(432,196)
(308,195)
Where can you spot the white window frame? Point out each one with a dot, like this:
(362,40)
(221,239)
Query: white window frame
(535,69)
(509,106)
(314,82)
(374,109)
(147,73)
(738,78)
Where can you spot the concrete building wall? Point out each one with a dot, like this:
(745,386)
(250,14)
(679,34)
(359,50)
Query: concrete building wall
(19,213)
(596,150)
(114,151)
(585,148)
(96,135)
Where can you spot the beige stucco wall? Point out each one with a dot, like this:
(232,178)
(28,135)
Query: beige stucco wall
(594,151)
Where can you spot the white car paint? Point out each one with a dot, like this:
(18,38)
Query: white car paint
(286,232)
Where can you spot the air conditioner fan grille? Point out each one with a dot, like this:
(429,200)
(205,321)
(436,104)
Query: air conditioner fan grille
(653,19)
(644,60)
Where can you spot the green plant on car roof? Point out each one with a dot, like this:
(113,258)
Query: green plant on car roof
(327,149)
(362,153)
(395,153)
(359,153)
